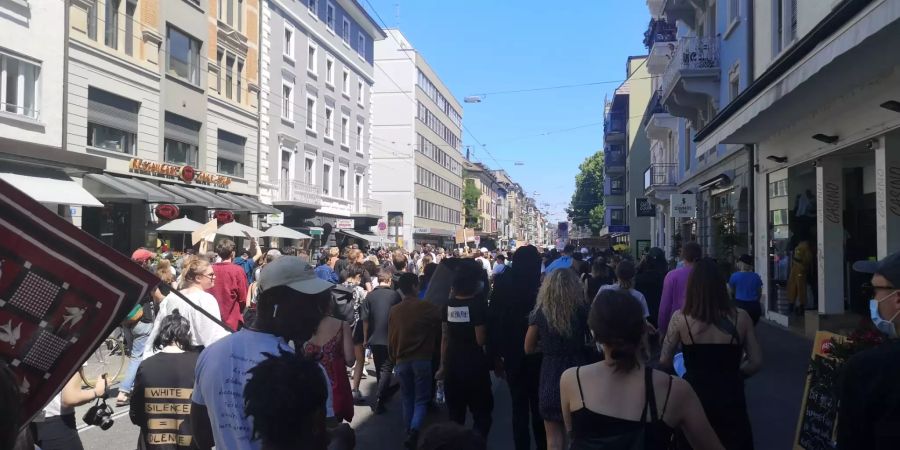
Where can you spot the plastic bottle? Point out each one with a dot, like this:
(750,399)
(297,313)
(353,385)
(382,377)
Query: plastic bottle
(439,393)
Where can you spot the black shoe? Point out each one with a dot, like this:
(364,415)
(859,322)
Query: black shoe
(379,407)
(412,439)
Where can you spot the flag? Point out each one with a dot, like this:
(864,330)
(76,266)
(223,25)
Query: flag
(61,293)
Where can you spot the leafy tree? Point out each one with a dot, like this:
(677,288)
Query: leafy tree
(586,207)
(471,195)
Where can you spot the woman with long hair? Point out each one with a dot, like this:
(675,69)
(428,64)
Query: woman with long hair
(620,403)
(198,278)
(512,300)
(559,326)
(714,335)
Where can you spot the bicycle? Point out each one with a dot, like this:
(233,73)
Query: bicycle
(109,358)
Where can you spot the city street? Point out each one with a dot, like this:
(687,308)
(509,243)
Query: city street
(773,397)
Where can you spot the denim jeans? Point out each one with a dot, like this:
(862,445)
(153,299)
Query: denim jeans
(415,390)
(138,335)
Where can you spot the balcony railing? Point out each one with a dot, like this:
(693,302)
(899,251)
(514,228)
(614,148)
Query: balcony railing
(300,192)
(369,207)
(614,157)
(692,53)
(614,125)
(661,175)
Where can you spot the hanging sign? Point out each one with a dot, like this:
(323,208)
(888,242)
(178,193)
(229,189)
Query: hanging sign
(167,212)
(223,216)
(644,208)
(683,205)
(344,224)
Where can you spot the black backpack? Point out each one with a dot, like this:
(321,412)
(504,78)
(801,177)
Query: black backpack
(342,303)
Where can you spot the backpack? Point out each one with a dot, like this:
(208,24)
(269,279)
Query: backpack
(342,303)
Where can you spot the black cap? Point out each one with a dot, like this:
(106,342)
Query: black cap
(889,267)
(746,259)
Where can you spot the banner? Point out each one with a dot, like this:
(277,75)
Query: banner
(62,292)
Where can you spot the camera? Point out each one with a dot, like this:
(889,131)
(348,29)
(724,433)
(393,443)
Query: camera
(99,415)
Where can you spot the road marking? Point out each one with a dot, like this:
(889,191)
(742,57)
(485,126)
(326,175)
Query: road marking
(115,416)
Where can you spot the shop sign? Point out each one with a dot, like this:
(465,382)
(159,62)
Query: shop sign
(275,219)
(186,174)
(644,208)
(619,229)
(683,205)
(167,212)
(223,216)
(420,230)
(344,224)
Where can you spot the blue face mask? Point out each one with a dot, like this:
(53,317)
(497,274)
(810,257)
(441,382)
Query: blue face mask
(885,326)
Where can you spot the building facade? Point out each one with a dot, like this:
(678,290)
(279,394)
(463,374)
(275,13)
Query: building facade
(317,75)
(416,161)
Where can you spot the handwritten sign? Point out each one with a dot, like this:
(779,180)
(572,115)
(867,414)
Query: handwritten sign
(818,412)
(209,228)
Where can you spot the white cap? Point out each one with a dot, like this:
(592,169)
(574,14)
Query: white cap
(294,273)
(484,250)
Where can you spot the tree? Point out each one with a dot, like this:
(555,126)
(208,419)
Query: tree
(586,207)
(471,195)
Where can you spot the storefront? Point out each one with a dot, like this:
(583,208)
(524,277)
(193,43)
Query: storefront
(436,237)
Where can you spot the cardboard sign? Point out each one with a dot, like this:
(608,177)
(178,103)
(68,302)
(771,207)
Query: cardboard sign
(817,424)
(208,229)
(62,292)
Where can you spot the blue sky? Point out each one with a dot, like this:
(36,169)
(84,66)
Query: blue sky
(484,46)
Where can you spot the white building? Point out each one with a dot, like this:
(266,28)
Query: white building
(416,162)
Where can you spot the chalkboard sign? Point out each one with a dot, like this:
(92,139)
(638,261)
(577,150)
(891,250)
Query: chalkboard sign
(818,412)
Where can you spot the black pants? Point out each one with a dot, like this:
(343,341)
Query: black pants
(384,369)
(58,433)
(753,308)
(524,382)
(472,393)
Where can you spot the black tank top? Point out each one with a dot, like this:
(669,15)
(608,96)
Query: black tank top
(595,431)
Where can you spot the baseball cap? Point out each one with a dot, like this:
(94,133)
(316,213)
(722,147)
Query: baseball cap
(746,259)
(889,267)
(293,272)
(141,255)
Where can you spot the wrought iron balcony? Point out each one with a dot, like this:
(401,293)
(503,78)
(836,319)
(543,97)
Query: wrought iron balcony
(299,192)
(614,158)
(691,54)
(661,175)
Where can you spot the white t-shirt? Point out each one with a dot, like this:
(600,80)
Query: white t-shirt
(203,330)
(634,293)
(220,378)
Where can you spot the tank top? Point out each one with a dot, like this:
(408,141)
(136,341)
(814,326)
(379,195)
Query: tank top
(595,431)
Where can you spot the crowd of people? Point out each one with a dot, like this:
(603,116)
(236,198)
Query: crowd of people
(267,350)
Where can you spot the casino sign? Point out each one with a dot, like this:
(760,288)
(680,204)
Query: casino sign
(186,174)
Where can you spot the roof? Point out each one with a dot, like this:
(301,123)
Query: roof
(365,14)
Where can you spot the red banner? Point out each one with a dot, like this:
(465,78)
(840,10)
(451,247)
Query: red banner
(61,293)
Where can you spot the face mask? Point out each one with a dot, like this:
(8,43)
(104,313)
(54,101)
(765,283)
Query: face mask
(885,326)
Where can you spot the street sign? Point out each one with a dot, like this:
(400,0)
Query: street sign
(344,224)
(644,208)
(683,205)
(619,228)
(477,240)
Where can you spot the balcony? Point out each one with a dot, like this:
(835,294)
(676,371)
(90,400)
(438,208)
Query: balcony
(674,10)
(614,187)
(368,207)
(614,125)
(661,180)
(614,159)
(691,79)
(299,194)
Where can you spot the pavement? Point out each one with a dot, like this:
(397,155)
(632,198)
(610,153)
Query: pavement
(773,401)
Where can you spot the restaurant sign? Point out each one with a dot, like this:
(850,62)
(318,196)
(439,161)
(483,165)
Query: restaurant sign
(186,174)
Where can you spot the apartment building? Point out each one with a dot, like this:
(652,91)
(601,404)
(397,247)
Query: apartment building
(32,87)
(316,116)
(416,161)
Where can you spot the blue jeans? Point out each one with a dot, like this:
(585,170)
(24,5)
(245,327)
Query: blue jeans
(138,335)
(415,390)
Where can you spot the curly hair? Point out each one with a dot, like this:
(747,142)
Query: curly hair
(560,296)
(286,397)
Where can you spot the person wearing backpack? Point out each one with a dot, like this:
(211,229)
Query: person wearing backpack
(136,329)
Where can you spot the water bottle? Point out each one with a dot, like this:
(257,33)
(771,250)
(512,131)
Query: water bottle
(439,393)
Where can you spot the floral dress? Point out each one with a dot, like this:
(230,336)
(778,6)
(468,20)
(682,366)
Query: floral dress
(331,356)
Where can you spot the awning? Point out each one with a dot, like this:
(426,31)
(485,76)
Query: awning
(249,204)
(357,235)
(200,197)
(283,232)
(51,186)
(111,189)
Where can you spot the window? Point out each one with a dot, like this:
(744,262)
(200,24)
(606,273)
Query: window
(431,121)
(734,10)
(345,82)
(19,86)
(112,122)
(287,101)
(342,183)
(359,138)
(240,86)
(231,12)
(345,130)
(329,70)
(326,178)
(616,186)
(329,16)
(240,15)
(310,113)
(313,6)
(111,24)
(229,77)
(312,63)
(785,24)
(309,164)
(230,158)
(184,56)
(182,141)
(360,91)
(288,41)
(431,90)
(92,21)
(345,31)
(329,122)
(358,189)
(617,216)
(734,82)
(361,44)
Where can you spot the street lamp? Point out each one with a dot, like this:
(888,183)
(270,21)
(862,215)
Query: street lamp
(474,99)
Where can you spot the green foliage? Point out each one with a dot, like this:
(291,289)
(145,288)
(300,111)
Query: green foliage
(586,207)
(471,195)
